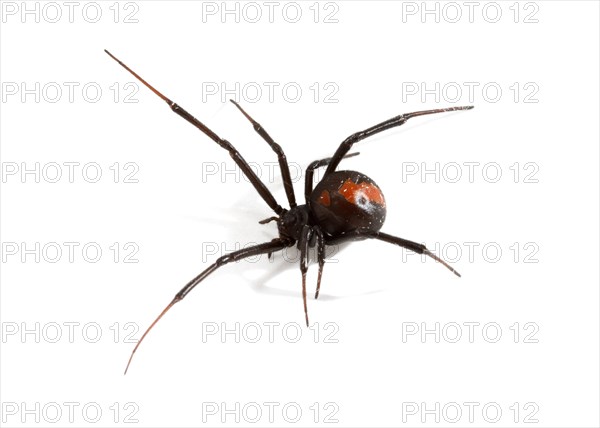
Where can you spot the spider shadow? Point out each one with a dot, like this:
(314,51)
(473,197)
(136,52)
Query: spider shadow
(289,259)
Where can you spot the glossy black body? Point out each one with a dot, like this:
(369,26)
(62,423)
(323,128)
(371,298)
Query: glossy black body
(345,201)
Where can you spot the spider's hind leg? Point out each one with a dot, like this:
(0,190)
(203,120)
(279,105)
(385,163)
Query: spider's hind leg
(347,144)
(265,248)
(401,242)
(310,172)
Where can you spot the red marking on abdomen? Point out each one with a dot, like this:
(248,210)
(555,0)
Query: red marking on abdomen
(352,192)
(324,198)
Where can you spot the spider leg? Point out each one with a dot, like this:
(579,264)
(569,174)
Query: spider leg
(310,171)
(283,164)
(267,247)
(320,256)
(303,243)
(390,123)
(268,220)
(235,155)
(404,243)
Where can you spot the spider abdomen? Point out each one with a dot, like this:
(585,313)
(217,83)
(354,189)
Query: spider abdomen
(345,201)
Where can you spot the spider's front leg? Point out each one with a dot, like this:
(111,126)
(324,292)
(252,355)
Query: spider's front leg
(260,187)
(283,164)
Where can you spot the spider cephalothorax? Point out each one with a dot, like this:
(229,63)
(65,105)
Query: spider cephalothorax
(344,206)
(291,222)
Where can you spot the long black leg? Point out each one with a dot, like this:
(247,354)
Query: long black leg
(404,243)
(320,256)
(235,155)
(283,165)
(265,248)
(310,172)
(303,243)
(390,123)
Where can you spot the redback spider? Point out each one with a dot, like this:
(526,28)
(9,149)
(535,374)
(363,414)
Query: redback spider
(344,206)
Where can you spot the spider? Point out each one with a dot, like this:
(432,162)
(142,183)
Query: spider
(344,205)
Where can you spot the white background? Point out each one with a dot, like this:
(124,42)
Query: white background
(371,291)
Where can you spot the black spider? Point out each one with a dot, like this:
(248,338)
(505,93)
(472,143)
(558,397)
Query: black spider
(345,205)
